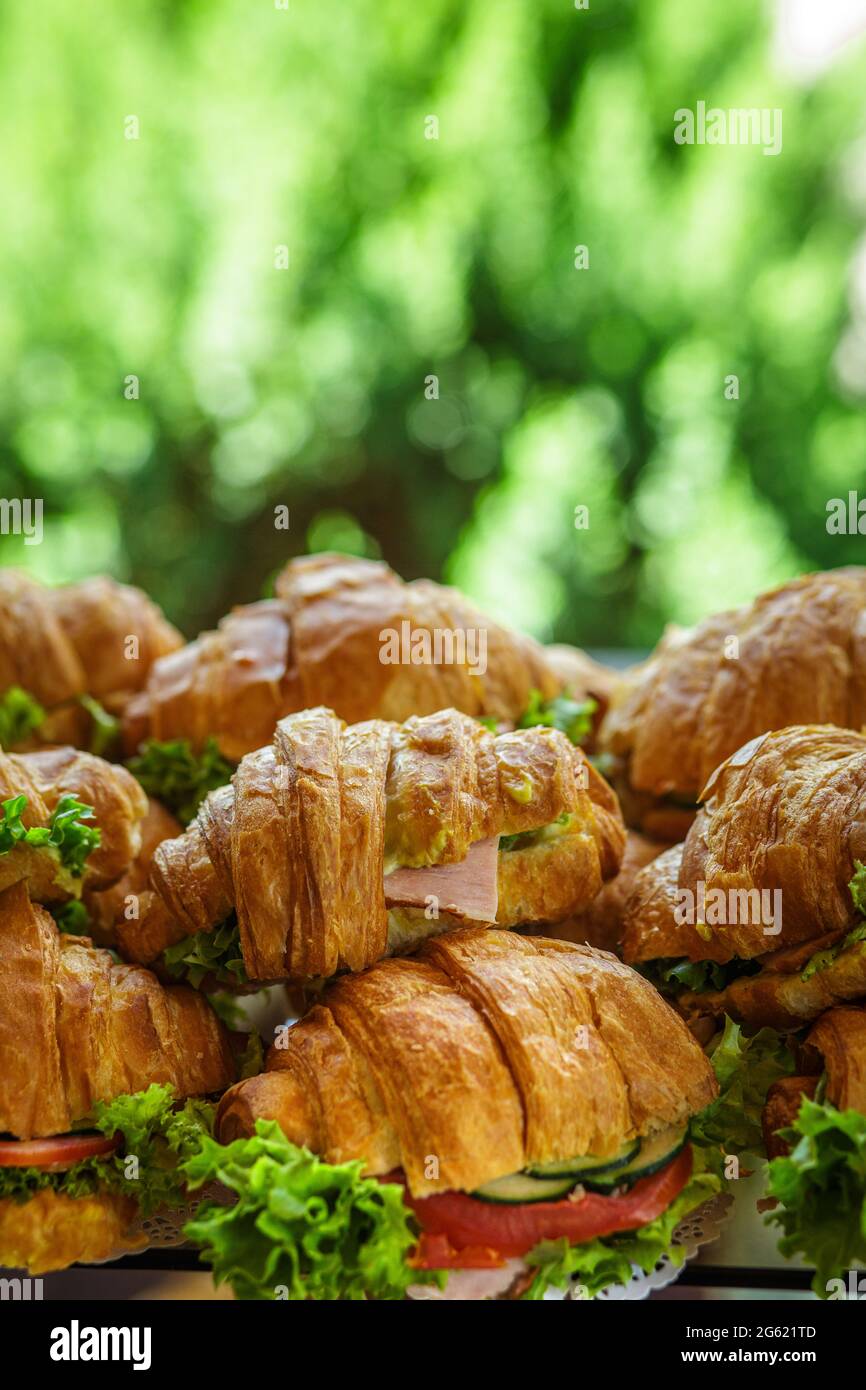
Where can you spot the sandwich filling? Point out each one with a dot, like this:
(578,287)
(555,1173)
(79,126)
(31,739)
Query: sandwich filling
(333,1233)
(179,777)
(784,988)
(421,902)
(20,717)
(67,840)
(131,1146)
(23,719)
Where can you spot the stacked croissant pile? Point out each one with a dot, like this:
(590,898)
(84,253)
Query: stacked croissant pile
(526,1041)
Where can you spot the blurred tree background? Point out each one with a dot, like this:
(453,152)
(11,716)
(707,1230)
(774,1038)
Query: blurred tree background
(410,257)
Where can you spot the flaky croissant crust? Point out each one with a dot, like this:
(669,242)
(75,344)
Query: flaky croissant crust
(602,922)
(320,642)
(786,815)
(51,1231)
(76,1028)
(60,643)
(106,906)
(799,658)
(299,843)
(486,1052)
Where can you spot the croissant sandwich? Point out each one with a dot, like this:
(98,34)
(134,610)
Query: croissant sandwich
(815,1128)
(350,634)
(336,845)
(513,1109)
(97,1060)
(760,913)
(68,652)
(68,820)
(707,691)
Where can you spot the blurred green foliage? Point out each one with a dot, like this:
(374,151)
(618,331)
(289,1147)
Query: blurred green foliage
(411,257)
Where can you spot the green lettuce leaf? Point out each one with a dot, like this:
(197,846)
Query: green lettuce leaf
(597,1264)
(572,718)
(745,1070)
(84,1179)
(857,887)
(156,1133)
(65,833)
(12,829)
(72,917)
(673,974)
(20,716)
(68,834)
(309,1229)
(822,959)
(252,1059)
(208,954)
(524,839)
(104,727)
(225,1006)
(821,1186)
(178,777)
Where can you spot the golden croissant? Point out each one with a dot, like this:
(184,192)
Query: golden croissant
(794,656)
(95,637)
(764,886)
(336,845)
(349,634)
(519,1090)
(488,1049)
(48,779)
(78,1030)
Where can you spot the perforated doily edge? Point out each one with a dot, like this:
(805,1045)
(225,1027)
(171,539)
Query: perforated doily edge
(164,1231)
(701,1227)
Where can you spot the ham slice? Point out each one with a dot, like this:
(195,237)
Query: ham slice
(471,1284)
(468,889)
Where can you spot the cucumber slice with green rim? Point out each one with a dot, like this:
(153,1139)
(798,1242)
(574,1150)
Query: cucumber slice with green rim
(580,1168)
(655,1152)
(517,1188)
(551,1182)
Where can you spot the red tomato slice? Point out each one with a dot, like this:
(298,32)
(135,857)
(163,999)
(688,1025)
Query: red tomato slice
(513,1230)
(437,1252)
(55,1154)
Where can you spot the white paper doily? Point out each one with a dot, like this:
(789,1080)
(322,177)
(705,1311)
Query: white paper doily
(700,1227)
(163,1229)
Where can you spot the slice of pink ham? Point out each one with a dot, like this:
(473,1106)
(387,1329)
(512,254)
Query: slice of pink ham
(468,889)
